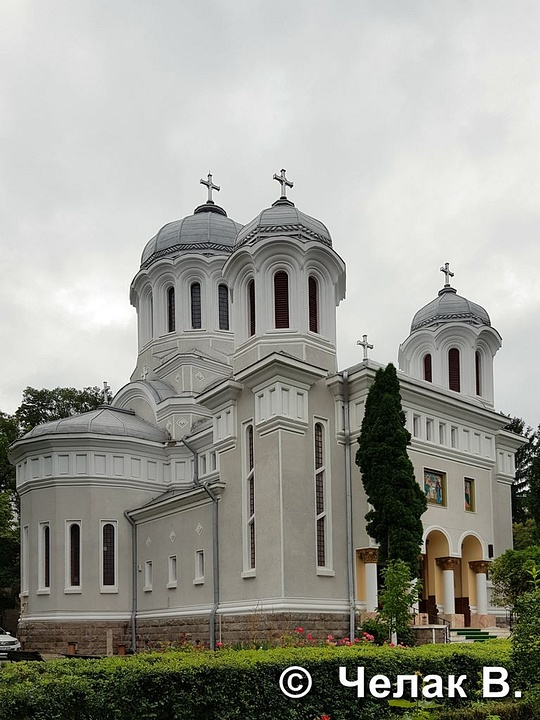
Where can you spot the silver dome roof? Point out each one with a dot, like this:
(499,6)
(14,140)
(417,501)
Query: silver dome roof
(106,420)
(208,231)
(448,307)
(283,218)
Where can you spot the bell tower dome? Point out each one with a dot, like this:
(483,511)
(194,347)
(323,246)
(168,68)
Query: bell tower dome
(452,344)
(181,298)
(286,281)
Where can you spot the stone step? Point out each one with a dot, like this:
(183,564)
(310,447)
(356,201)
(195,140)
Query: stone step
(471,635)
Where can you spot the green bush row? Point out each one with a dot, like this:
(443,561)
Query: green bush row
(228,685)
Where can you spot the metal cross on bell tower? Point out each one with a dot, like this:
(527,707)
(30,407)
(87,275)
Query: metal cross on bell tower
(447,274)
(364,343)
(210,185)
(282,180)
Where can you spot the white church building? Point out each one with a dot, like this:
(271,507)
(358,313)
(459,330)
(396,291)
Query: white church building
(217,498)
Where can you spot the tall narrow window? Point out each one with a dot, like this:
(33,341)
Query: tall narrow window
(171,312)
(47,556)
(151,316)
(478,372)
(25,555)
(250,501)
(313,299)
(74,555)
(320,496)
(109,555)
(196,305)
(454,382)
(281,299)
(44,557)
(251,306)
(427,368)
(223,301)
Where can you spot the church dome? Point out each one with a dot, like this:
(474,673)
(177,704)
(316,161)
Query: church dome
(449,307)
(283,218)
(106,420)
(207,231)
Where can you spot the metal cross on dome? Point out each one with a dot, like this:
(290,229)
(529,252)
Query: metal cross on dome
(364,343)
(282,180)
(447,274)
(210,185)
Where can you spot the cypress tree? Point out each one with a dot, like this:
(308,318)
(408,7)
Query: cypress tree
(397,500)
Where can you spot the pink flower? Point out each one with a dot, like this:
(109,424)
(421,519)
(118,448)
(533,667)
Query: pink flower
(310,636)
(330,637)
(299,629)
(219,644)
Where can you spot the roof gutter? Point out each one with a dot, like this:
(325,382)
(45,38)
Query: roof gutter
(131,521)
(348,507)
(215,541)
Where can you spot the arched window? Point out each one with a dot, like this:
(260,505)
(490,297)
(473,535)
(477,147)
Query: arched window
(171,312)
(109,555)
(454,382)
(320,496)
(281,299)
(223,303)
(74,555)
(478,372)
(196,316)
(251,306)
(427,368)
(151,316)
(250,501)
(313,299)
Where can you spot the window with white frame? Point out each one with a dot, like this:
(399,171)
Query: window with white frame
(199,567)
(249,501)
(148,576)
(321,498)
(44,557)
(73,555)
(109,554)
(172,574)
(25,556)
(196,308)
(171,310)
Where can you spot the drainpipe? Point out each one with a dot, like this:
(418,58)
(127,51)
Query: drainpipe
(348,507)
(215,541)
(131,521)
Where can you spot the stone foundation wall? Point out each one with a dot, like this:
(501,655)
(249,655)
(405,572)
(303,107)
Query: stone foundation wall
(92,638)
(425,635)
(97,638)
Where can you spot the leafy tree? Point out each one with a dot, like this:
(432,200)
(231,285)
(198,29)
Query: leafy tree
(9,431)
(387,474)
(398,597)
(40,406)
(524,460)
(526,633)
(511,574)
(525,534)
(9,553)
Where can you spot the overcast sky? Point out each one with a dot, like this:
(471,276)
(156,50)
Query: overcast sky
(411,129)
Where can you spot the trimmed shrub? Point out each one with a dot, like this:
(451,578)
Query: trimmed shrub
(228,685)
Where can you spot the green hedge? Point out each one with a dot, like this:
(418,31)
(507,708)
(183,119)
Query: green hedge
(228,684)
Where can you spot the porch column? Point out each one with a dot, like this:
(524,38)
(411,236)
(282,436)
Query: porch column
(480,567)
(448,565)
(369,556)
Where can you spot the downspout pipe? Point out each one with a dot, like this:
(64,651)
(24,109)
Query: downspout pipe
(131,521)
(215,541)
(348,507)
